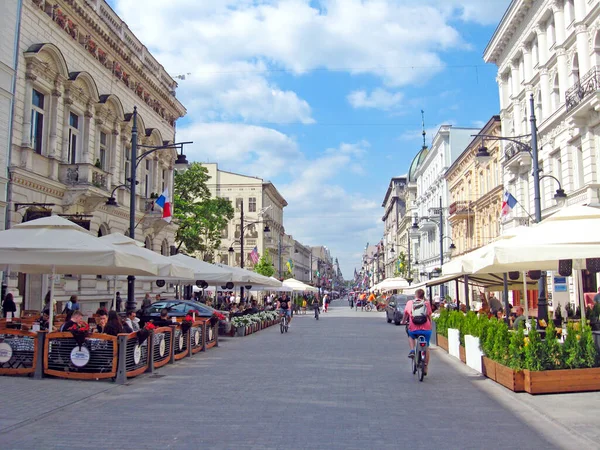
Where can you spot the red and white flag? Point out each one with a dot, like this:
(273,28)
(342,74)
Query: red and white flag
(165,203)
(254,255)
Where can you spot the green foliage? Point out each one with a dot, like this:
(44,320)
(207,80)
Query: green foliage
(588,348)
(264,266)
(534,351)
(200,218)
(469,325)
(501,343)
(552,349)
(456,319)
(442,322)
(488,336)
(570,350)
(516,350)
(579,350)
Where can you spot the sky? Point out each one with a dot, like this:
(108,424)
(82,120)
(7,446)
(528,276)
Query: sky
(322,97)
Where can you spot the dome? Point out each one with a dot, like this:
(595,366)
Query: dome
(416,162)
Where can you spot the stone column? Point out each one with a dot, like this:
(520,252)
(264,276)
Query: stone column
(526,49)
(583,49)
(514,72)
(26,130)
(87,155)
(545,88)
(559,21)
(542,45)
(580,10)
(53,135)
(113,176)
(563,76)
(500,82)
(67,102)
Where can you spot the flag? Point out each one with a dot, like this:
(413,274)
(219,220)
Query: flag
(254,255)
(508,204)
(290,265)
(165,203)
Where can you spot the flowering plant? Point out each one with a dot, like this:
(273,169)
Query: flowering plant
(80,327)
(149,326)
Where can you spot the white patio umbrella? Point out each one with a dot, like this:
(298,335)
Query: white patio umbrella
(56,245)
(167,267)
(210,273)
(243,277)
(298,286)
(390,284)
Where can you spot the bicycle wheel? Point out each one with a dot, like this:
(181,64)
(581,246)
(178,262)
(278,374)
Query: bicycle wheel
(414,364)
(282,324)
(420,367)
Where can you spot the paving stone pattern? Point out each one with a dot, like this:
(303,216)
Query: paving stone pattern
(342,382)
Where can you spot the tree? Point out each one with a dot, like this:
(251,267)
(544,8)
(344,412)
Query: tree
(201,218)
(264,266)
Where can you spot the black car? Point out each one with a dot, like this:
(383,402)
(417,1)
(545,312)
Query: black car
(394,311)
(179,308)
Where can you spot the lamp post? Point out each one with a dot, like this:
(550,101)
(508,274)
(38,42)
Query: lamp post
(180,163)
(559,196)
(392,251)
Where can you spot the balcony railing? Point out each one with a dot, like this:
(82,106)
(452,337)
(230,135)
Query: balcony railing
(586,86)
(82,175)
(459,207)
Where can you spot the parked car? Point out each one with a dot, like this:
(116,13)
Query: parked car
(394,311)
(180,308)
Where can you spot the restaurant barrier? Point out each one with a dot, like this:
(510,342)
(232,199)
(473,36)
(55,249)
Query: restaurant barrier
(133,356)
(18,352)
(197,336)
(162,346)
(212,334)
(181,343)
(95,358)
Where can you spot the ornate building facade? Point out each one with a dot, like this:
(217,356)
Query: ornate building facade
(550,49)
(262,204)
(394,204)
(475,191)
(81,72)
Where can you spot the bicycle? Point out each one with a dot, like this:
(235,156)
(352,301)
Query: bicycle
(283,325)
(418,361)
(369,307)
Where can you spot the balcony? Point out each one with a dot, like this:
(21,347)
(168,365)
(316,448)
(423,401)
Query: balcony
(83,175)
(459,209)
(516,156)
(588,85)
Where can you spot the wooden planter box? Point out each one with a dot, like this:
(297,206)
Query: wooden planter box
(566,380)
(442,342)
(489,368)
(463,354)
(509,378)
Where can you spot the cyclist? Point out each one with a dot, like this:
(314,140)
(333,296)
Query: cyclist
(415,329)
(284,307)
(371,300)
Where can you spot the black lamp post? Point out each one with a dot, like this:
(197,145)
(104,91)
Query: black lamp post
(559,196)
(180,163)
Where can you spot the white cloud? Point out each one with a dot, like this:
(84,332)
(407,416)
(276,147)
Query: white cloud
(377,99)
(252,150)
(482,12)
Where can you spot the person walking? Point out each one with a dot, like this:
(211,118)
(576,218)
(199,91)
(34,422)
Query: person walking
(9,306)
(119,301)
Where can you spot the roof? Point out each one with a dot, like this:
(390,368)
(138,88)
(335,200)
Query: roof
(416,162)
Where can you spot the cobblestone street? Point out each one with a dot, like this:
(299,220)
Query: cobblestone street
(342,382)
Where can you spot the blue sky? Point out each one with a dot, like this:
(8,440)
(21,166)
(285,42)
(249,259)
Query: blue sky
(322,97)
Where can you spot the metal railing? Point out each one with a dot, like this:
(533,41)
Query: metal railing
(587,85)
(18,352)
(459,207)
(162,346)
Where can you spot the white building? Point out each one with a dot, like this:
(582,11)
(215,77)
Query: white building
(429,169)
(80,73)
(394,204)
(550,49)
(263,205)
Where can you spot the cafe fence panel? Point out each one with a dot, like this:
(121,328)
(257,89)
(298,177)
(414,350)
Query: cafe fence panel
(197,333)
(212,333)
(95,358)
(136,356)
(18,352)
(180,343)
(163,346)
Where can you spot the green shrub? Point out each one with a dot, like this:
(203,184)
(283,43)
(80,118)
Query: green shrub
(588,348)
(488,337)
(442,322)
(551,359)
(516,350)
(534,351)
(501,343)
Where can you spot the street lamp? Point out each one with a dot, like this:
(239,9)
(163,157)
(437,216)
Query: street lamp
(559,196)
(180,163)
(392,251)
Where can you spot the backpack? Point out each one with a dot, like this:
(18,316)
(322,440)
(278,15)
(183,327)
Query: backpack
(419,312)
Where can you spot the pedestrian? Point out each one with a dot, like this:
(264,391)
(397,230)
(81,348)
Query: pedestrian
(147,301)
(597,297)
(326,302)
(119,301)
(8,306)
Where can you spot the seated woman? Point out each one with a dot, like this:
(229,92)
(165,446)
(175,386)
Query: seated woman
(113,325)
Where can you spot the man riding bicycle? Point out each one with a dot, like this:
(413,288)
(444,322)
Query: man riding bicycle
(418,314)
(284,308)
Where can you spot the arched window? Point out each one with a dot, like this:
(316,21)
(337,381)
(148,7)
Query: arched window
(164,248)
(539,111)
(575,70)
(148,243)
(555,94)
(596,58)
(103,230)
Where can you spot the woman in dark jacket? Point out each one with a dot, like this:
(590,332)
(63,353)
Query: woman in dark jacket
(9,305)
(114,325)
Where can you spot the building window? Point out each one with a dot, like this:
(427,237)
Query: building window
(103,150)
(252,204)
(127,165)
(37,121)
(147,179)
(73,135)
(163,178)
(578,167)
(555,94)
(239,203)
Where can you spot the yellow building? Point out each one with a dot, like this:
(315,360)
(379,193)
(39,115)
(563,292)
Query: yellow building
(476,193)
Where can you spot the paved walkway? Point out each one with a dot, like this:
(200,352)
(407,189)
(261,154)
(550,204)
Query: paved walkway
(343,382)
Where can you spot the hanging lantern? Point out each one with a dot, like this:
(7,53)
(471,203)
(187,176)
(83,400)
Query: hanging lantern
(592,264)
(513,275)
(565,267)
(534,274)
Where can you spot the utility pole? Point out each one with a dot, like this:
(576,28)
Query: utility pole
(242,245)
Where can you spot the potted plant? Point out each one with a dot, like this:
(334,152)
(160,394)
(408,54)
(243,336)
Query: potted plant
(80,331)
